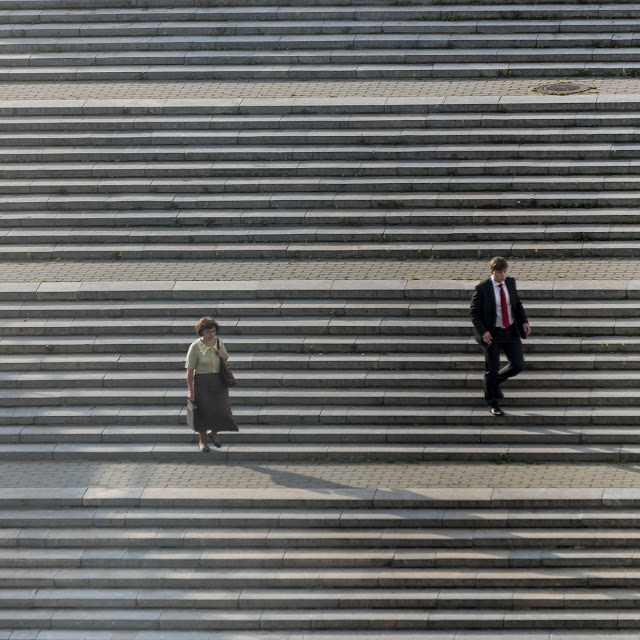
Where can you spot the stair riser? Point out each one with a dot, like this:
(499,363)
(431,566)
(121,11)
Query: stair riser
(272,415)
(264,380)
(596,43)
(495,174)
(287,330)
(290,188)
(492,441)
(34,57)
(241,313)
(368,400)
(329,13)
(437,242)
(345,539)
(375,23)
(468,252)
(364,151)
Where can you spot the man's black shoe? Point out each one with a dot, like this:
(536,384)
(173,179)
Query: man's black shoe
(497,411)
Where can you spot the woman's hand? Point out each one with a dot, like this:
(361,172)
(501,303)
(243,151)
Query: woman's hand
(222,355)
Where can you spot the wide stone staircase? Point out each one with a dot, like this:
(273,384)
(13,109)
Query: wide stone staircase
(338,371)
(382,564)
(115,40)
(328,370)
(346,178)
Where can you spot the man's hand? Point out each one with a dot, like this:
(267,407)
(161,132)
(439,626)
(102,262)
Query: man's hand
(527,329)
(488,338)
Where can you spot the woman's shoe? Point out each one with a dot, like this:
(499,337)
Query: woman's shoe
(204,449)
(216,443)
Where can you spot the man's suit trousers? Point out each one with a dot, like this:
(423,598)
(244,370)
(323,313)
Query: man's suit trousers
(506,340)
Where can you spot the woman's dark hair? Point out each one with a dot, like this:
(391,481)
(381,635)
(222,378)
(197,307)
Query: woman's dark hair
(206,323)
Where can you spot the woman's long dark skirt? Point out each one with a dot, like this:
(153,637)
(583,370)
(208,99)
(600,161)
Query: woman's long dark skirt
(212,400)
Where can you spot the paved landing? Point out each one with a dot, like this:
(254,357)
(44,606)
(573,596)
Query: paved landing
(209,474)
(381,88)
(74,271)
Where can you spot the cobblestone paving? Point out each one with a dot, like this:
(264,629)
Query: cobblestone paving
(81,474)
(72,271)
(382,88)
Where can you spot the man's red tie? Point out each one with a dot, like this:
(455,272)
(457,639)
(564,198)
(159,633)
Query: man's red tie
(505,307)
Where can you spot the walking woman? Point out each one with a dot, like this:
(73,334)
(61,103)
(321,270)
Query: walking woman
(205,385)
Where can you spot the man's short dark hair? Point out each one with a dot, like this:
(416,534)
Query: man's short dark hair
(498,264)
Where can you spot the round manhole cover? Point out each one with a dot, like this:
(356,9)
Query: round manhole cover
(563,88)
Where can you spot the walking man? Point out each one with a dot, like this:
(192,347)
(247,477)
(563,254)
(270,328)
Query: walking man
(499,321)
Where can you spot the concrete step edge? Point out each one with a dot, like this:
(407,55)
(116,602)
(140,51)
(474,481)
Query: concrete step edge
(249,106)
(345,498)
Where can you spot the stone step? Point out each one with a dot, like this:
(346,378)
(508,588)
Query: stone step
(375,122)
(40,5)
(285,240)
(252,218)
(340,36)
(414,621)
(307,559)
(299,453)
(593,44)
(484,154)
(300,559)
(290,187)
(409,21)
(339,200)
(305,242)
(344,401)
(318,138)
(274,378)
(365,578)
(199,524)
(437,598)
(179,316)
(48,500)
(596,45)
(287,328)
(334,72)
(304,498)
(358,52)
(317,347)
(366,540)
(435,443)
(506,173)
(519,415)
(378,120)
(327,12)
(621,366)
(70,634)
(343,201)
(285,319)
(295,251)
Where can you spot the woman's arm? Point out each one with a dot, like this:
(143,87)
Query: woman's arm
(191,374)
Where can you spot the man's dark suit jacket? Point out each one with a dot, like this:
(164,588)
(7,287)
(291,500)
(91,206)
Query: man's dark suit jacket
(483,308)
